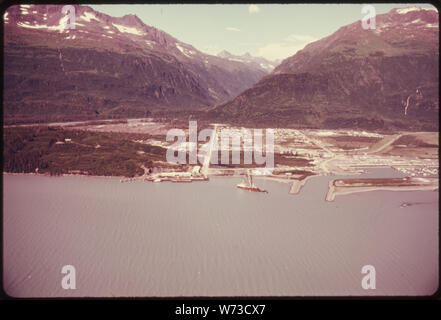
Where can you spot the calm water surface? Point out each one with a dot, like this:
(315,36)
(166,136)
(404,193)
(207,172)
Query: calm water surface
(212,239)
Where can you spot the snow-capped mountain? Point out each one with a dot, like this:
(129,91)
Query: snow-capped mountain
(257,62)
(413,29)
(382,78)
(107,65)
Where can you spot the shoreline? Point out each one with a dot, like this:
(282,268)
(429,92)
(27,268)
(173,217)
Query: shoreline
(59,175)
(142,178)
(296,186)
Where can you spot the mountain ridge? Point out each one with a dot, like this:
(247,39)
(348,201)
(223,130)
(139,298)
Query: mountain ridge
(251,60)
(107,67)
(352,78)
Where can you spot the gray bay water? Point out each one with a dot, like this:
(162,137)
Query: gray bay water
(212,239)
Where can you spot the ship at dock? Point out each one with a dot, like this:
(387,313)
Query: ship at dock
(248,184)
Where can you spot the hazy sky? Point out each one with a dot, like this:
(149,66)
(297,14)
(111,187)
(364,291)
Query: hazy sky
(274,31)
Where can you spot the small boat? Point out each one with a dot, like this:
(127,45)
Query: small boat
(248,184)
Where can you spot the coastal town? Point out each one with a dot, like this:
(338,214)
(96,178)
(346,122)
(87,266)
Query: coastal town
(175,151)
(298,154)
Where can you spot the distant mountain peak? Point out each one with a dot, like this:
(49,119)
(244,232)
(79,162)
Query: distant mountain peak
(224,54)
(117,65)
(132,20)
(353,78)
(247,58)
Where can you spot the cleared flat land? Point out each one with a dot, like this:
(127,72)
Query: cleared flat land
(297,153)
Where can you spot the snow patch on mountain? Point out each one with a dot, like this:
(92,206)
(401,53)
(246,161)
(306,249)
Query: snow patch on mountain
(247,58)
(267,67)
(406,10)
(59,27)
(212,93)
(186,52)
(410,9)
(87,16)
(24,25)
(125,29)
(24,10)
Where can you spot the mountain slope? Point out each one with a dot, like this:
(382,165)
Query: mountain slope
(385,78)
(107,67)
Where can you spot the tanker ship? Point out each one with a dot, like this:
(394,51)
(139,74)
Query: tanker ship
(248,184)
